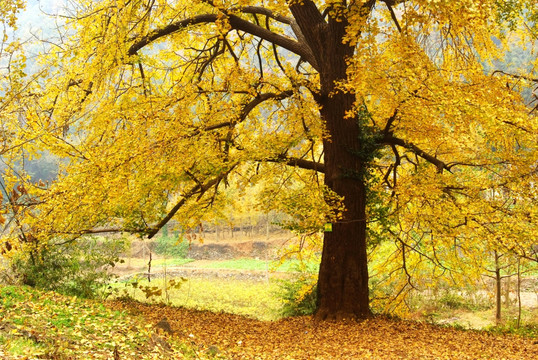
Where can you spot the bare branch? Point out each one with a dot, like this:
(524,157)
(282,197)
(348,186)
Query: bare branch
(389,139)
(237,24)
(300,163)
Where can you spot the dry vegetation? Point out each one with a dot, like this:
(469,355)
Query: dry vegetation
(236,337)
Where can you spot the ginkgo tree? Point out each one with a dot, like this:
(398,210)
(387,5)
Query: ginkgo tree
(380,117)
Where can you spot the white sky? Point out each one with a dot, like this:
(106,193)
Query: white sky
(34,19)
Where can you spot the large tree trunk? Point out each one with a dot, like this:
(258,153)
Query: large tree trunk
(343,276)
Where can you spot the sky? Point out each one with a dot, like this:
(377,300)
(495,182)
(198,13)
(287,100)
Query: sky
(35,23)
(38,17)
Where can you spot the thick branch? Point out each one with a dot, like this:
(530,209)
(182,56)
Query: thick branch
(392,140)
(310,22)
(266,12)
(237,24)
(301,163)
(170,29)
(387,130)
(289,44)
(258,10)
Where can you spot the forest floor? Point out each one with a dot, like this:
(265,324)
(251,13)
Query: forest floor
(239,320)
(236,337)
(45,325)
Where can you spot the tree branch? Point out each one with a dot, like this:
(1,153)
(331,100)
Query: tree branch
(390,121)
(266,12)
(310,23)
(170,29)
(300,163)
(389,139)
(197,189)
(237,24)
(528,78)
(249,107)
(393,15)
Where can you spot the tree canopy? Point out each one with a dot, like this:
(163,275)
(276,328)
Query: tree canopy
(386,119)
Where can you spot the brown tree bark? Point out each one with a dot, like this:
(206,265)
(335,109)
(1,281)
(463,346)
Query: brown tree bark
(343,275)
(498,303)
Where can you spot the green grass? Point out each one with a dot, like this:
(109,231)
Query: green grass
(239,264)
(170,262)
(527,330)
(156,263)
(256,264)
(22,346)
(46,325)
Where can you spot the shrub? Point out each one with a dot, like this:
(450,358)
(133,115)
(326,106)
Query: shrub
(453,299)
(78,268)
(299,295)
(174,246)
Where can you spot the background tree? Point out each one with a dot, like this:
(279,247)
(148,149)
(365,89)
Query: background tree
(378,110)
(11,66)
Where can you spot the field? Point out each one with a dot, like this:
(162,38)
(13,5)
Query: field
(253,287)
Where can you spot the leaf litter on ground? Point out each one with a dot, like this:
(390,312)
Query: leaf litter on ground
(237,337)
(45,325)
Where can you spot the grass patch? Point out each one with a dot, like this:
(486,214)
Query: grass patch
(46,325)
(527,330)
(22,346)
(156,263)
(256,264)
(248,298)
(170,262)
(239,264)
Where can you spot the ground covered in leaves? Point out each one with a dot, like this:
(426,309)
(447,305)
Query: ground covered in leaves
(236,337)
(45,325)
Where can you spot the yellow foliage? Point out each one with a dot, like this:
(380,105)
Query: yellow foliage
(179,111)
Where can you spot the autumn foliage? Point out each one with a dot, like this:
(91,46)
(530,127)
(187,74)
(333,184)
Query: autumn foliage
(393,121)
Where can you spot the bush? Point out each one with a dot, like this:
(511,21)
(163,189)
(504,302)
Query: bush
(174,246)
(512,327)
(79,268)
(467,300)
(300,295)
